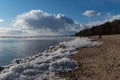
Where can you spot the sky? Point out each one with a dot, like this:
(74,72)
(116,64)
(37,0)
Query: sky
(53,17)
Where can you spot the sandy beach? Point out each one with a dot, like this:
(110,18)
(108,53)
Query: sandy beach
(97,63)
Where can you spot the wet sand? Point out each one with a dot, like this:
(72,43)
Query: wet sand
(99,62)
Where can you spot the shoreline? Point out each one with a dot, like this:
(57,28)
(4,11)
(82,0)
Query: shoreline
(16,48)
(44,65)
(97,63)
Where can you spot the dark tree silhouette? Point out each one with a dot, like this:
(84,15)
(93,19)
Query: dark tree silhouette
(105,29)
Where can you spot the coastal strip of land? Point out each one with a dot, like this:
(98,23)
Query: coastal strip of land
(99,62)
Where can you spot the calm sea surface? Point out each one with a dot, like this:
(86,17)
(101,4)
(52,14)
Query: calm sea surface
(11,48)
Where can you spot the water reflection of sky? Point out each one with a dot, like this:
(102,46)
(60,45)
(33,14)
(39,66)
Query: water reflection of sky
(17,48)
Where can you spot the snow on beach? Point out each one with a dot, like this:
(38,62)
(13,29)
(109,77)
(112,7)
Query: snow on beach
(44,65)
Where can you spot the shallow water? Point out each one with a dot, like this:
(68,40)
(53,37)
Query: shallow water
(11,48)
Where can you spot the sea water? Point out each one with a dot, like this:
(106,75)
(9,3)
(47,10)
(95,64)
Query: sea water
(13,48)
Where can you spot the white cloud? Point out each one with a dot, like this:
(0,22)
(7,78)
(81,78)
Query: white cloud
(110,19)
(45,24)
(1,20)
(10,31)
(40,23)
(90,13)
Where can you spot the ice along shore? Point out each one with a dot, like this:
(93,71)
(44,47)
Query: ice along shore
(98,62)
(43,66)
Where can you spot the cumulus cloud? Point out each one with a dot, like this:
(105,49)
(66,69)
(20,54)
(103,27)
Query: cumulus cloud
(90,13)
(40,23)
(1,20)
(45,23)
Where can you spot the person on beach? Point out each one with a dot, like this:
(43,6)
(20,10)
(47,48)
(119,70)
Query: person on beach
(100,36)
(100,33)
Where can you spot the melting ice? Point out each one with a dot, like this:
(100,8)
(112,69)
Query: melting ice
(44,65)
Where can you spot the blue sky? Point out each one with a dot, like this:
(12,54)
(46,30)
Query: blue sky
(10,9)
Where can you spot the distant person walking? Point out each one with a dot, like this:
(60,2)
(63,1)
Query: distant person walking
(100,36)
(100,33)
